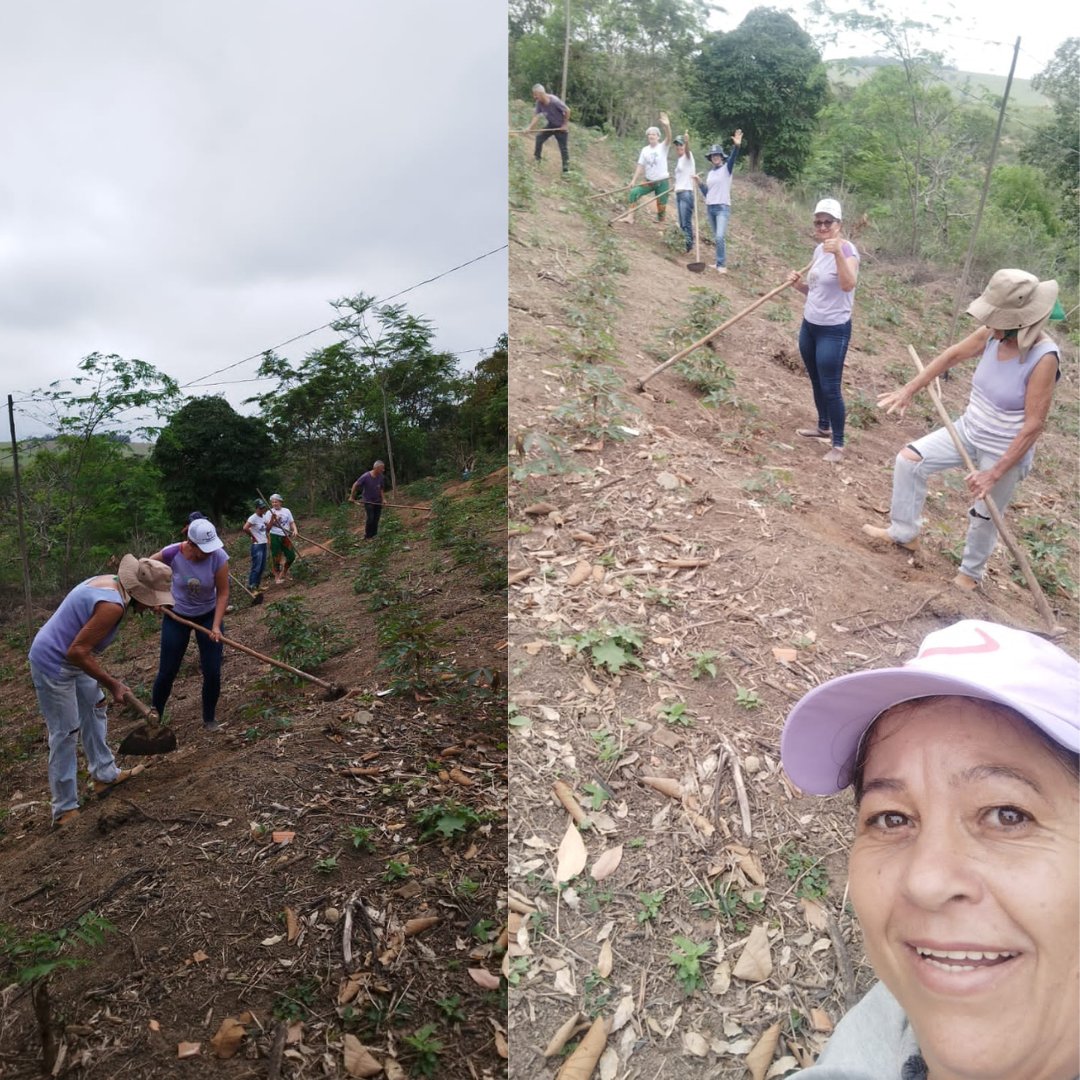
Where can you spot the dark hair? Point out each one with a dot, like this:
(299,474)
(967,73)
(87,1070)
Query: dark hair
(1069,759)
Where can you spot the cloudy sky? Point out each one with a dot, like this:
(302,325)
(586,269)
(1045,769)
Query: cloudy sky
(978,37)
(191,183)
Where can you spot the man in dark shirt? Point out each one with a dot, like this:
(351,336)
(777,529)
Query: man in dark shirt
(557,117)
(371,486)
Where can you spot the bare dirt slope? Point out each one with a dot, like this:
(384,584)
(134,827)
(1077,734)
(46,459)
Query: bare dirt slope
(694,571)
(270,872)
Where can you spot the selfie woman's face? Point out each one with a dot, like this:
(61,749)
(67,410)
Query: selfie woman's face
(964,875)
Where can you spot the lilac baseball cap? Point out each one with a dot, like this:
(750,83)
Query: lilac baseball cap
(971,658)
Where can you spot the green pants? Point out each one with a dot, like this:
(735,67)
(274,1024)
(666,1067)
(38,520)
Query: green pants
(282,545)
(653,187)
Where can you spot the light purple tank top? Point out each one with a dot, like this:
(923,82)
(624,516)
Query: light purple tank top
(51,643)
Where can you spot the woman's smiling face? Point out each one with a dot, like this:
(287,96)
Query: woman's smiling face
(964,875)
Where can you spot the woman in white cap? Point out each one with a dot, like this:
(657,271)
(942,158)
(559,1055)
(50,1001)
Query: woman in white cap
(70,681)
(200,593)
(1011,392)
(825,332)
(651,176)
(282,533)
(964,867)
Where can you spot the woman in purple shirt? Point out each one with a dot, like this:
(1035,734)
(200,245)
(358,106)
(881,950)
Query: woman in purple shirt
(70,681)
(826,327)
(200,591)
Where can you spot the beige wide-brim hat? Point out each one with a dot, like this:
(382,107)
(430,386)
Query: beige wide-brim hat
(148,580)
(1016,300)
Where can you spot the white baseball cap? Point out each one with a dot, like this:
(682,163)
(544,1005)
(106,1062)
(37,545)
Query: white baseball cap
(830,207)
(203,535)
(971,658)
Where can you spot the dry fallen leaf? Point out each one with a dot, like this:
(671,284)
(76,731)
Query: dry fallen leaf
(755,963)
(665,785)
(483,977)
(605,962)
(572,855)
(349,988)
(154,1025)
(820,1020)
(623,1011)
(751,867)
(816,917)
(607,864)
(562,1036)
(292,925)
(609,1064)
(199,956)
(358,1059)
(581,573)
(187,1049)
(580,1064)
(501,1046)
(759,1059)
(539,509)
(418,926)
(394,1071)
(228,1038)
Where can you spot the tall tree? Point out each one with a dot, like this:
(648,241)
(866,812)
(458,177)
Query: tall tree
(767,78)
(106,393)
(212,459)
(1055,146)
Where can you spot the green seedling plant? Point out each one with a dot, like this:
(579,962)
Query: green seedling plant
(674,712)
(396,871)
(809,874)
(425,1050)
(303,641)
(447,820)
(686,959)
(326,866)
(650,905)
(450,1007)
(610,648)
(747,699)
(360,838)
(703,663)
(598,795)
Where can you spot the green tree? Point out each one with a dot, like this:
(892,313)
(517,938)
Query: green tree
(213,459)
(1055,146)
(767,78)
(627,60)
(108,391)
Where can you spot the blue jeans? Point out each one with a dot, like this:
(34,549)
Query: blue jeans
(174,643)
(258,565)
(718,219)
(685,202)
(73,704)
(823,349)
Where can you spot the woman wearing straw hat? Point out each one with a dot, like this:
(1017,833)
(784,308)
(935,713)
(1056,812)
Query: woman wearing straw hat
(1011,392)
(963,869)
(69,678)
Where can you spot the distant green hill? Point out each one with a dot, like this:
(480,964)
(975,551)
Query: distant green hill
(29,447)
(987,88)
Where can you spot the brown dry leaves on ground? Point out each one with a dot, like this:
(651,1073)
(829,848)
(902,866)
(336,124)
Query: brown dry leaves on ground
(304,893)
(680,575)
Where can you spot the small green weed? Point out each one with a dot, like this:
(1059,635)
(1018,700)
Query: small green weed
(809,874)
(296,1002)
(451,1009)
(326,866)
(609,647)
(674,712)
(650,904)
(425,1050)
(360,838)
(686,959)
(747,699)
(703,663)
(448,820)
(598,795)
(396,871)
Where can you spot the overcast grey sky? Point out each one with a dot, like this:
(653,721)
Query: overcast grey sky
(191,183)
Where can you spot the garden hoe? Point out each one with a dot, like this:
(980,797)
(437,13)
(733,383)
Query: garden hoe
(697,266)
(333,690)
(256,598)
(153,737)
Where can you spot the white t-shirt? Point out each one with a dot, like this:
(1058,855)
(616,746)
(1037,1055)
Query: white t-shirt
(284,525)
(684,172)
(259,524)
(654,161)
(826,303)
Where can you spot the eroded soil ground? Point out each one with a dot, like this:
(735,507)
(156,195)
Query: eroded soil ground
(681,574)
(271,872)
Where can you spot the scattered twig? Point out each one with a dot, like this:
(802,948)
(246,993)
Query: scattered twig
(740,789)
(843,961)
(277,1051)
